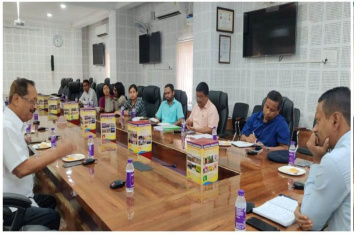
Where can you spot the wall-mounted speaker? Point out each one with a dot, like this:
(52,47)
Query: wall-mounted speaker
(52,62)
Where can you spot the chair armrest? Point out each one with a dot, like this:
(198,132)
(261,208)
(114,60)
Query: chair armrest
(16,200)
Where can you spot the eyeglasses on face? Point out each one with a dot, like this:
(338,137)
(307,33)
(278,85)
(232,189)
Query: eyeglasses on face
(33,102)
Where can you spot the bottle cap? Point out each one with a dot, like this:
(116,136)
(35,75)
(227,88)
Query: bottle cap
(52,128)
(241,192)
(90,136)
(130,160)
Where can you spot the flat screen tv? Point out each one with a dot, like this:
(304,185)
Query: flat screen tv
(150,48)
(270,31)
(98,54)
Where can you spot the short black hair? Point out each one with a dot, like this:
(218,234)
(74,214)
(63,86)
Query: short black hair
(203,87)
(170,86)
(20,87)
(105,84)
(276,97)
(133,86)
(336,100)
(87,81)
(120,89)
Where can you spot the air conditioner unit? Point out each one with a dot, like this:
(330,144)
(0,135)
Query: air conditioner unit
(101,30)
(169,9)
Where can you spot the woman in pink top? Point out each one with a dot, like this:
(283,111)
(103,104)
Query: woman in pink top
(107,98)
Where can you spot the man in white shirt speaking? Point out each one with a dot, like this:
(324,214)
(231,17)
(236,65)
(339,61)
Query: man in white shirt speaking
(18,166)
(88,95)
(327,192)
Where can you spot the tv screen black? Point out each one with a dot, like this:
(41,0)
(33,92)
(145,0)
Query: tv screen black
(98,54)
(150,48)
(270,31)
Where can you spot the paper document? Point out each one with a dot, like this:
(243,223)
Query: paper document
(243,144)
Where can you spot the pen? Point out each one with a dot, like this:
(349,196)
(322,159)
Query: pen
(255,137)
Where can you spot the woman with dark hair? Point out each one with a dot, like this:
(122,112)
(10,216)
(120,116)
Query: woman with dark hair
(106,101)
(119,95)
(134,102)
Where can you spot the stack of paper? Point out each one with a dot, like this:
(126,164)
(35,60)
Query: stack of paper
(167,128)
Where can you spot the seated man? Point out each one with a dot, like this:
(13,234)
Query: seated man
(170,110)
(18,167)
(204,115)
(89,94)
(326,197)
(268,127)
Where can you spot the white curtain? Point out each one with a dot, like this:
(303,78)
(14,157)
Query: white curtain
(185,68)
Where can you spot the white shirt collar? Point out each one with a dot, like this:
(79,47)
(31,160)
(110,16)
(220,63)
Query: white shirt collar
(18,124)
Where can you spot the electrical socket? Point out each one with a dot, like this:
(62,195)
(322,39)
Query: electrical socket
(330,55)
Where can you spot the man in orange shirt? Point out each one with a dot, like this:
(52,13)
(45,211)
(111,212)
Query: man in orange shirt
(204,115)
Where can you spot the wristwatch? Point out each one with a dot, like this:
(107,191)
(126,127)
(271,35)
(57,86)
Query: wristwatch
(267,149)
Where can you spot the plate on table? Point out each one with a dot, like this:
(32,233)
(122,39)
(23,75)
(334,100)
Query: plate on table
(291,170)
(43,145)
(73,157)
(224,143)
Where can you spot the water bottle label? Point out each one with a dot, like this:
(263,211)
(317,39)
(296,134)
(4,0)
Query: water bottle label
(36,116)
(214,137)
(130,180)
(291,158)
(91,150)
(183,127)
(53,140)
(28,129)
(240,218)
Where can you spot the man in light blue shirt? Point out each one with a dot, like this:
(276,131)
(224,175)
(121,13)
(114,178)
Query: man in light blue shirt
(170,110)
(327,193)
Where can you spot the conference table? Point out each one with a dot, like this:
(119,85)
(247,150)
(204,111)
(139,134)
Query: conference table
(163,199)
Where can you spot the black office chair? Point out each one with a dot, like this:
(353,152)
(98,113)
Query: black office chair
(111,86)
(257,108)
(62,85)
(66,87)
(239,116)
(21,203)
(296,123)
(99,91)
(90,80)
(152,100)
(220,100)
(304,149)
(81,89)
(93,86)
(287,111)
(140,91)
(181,96)
(107,81)
(74,91)
(78,80)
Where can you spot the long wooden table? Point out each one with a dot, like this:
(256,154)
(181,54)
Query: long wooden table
(163,199)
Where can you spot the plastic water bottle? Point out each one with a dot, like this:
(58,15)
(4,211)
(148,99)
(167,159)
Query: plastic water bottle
(28,128)
(292,153)
(133,113)
(129,185)
(214,133)
(35,116)
(122,111)
(66,98)
(53,138)
(91,147)
(7,101)
(183,133)
(75,99)
(240,211)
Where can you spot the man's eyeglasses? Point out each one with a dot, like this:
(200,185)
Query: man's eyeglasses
(33,102)
(200,97)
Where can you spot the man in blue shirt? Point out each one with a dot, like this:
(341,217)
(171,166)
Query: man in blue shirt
(268,127)
(327,190)
(170,110)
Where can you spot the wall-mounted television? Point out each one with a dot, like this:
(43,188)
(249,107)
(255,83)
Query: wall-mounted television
(150,48)
(270,31)
(98,54)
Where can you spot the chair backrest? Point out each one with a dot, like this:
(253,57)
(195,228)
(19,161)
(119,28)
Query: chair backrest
(220,100)
(181,96)
(93,86)
(152,100)
(140,91)
(78,80)
(287,111)
(66,87)
(107,81)
(62,85)
(257,108)
(240,111)
(90,80)
(74,91)
(99,91)
(111,86)
(296,117)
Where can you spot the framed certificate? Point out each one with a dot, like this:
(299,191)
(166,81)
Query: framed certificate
(224,20)
(224,49)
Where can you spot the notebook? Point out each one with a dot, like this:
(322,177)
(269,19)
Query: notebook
(280,210)
(243,144)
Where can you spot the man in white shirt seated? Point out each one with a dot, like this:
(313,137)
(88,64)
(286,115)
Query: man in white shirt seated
(327,190)
(89,94)
(18,166)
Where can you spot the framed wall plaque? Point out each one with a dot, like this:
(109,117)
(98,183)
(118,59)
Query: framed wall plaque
(224,49)
(224,20)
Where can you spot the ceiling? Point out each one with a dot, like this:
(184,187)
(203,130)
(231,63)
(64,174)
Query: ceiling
(76,14)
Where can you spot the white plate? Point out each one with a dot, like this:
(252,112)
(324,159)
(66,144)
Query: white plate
(291,170)
(43,145)
(224,143)
(73,157)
